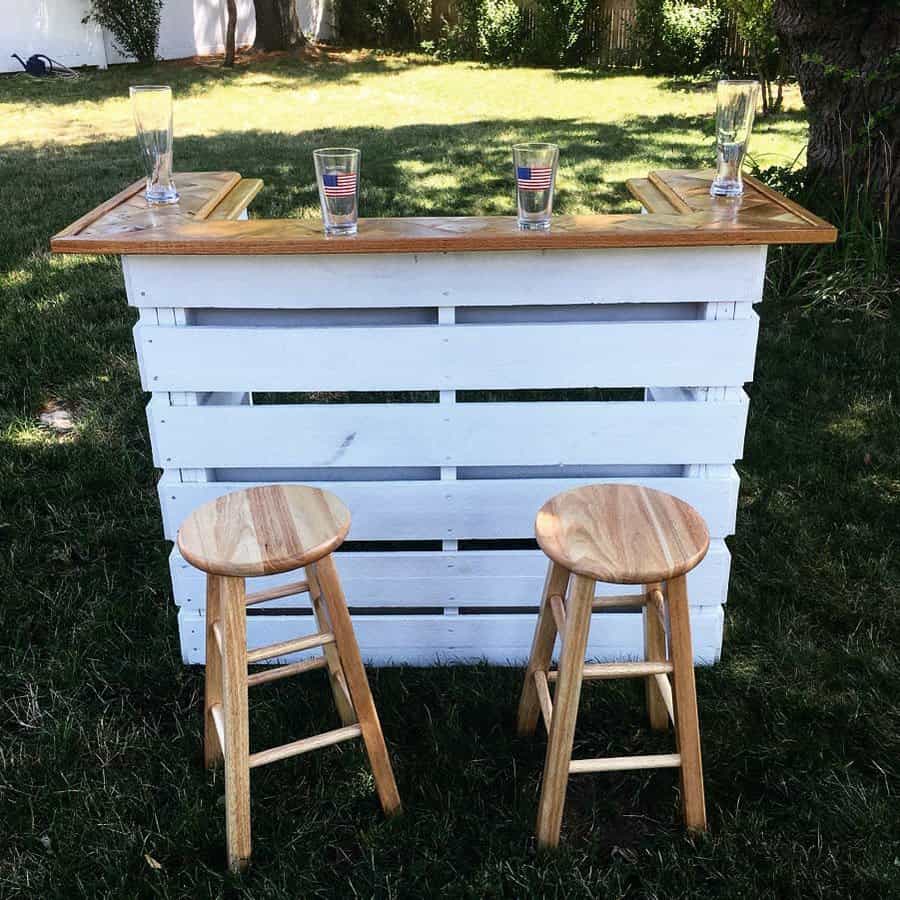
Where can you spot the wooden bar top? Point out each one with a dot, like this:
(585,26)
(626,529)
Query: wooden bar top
(680,213)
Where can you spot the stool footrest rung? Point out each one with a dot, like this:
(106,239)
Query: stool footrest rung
(297,668)
(305,745)
(284,590)
(595,671)
(293,646)
(625,763)
(621,601)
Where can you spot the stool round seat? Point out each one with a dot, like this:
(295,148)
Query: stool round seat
(264,530)
(622,533)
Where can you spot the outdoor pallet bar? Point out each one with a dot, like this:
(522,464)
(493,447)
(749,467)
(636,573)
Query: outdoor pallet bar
(500,367)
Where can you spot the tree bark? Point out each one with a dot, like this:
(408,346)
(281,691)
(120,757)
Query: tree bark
(841,53)
(277,25)
(230,28)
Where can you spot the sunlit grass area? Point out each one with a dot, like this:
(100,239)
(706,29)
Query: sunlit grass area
(425,129)
(102,790)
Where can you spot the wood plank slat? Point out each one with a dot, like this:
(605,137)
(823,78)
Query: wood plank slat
(433,357)
(765,219)
(465,509)
(230,207)
(649,196)
(530,281)
(98,211)
(421,639)
(463,434)
(268,237)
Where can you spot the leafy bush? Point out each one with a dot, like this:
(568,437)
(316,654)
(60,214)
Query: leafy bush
(134,25)
(501,30)
(491,30)
(558,28)
(387,24)
(677,37)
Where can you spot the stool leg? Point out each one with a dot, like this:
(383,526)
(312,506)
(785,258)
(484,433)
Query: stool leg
(565,712)
(237,727)
(358,683)
(332,657)
(212,751)
(687,726)
(556,582)
(654,651)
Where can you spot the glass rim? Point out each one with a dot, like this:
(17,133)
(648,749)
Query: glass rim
(535,145)
(337,151)
(740,81)
(134,88)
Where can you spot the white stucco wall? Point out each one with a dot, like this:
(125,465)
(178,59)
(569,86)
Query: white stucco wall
(188,28)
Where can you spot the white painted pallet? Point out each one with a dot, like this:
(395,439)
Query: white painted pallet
(424,640)
(216,334)
(435,579)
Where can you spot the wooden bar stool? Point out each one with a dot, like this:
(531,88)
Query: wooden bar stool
(262,531)
(620,534)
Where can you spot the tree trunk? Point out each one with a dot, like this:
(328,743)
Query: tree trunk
(231,26)
(840,51)
(277,25)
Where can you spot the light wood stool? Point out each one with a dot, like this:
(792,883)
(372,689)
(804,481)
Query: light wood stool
(620,534)
(262,531)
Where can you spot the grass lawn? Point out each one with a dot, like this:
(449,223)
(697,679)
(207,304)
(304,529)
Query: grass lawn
(102,792)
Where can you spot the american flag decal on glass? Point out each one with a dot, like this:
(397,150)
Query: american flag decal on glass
(339,184)
(534,178)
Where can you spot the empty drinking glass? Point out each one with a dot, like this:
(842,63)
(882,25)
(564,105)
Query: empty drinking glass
(735,109)
(535,166)
(152,108)
(337,174)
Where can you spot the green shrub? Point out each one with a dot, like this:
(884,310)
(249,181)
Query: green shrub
(490,30)
(677,37)
(387,24)
(558,28)
(134,25)
(501,30)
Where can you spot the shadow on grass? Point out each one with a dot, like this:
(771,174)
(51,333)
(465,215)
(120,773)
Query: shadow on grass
(609,72)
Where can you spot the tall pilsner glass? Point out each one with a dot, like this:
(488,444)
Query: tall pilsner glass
(152,108)
(735,109)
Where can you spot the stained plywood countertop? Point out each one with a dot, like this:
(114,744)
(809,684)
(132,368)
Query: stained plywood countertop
(680,213)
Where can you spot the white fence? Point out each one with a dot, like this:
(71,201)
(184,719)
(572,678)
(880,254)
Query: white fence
(188,28)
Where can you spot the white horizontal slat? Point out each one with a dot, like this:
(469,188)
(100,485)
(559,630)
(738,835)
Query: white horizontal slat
(462,434)
(426,639)
(474,578)
(434,357)
(672,275)
(477,509)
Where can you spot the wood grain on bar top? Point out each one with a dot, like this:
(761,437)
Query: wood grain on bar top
(680,214)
